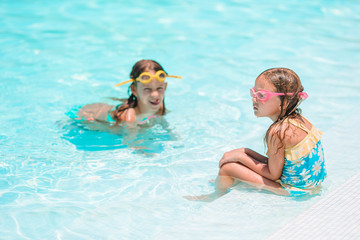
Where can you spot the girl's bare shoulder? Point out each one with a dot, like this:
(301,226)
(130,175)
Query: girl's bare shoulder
(129,115)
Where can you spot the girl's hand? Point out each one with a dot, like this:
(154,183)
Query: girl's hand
(232,156)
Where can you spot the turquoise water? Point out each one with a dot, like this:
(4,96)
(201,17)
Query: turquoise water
(58,179)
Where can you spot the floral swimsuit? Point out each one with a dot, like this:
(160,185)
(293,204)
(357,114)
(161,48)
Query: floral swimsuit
(304,168)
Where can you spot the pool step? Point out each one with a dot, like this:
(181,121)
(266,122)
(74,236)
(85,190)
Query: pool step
(337,216)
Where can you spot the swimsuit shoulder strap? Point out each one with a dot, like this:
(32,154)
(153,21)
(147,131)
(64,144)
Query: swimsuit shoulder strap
(299,125)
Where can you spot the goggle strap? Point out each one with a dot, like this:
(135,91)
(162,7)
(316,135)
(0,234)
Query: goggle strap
(122,83)
(172,76)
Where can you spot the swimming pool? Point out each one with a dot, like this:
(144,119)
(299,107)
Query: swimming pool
(59,180)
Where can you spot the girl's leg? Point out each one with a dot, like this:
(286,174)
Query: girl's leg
(231,171)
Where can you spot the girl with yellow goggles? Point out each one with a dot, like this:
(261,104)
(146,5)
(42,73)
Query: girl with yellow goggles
(144,102)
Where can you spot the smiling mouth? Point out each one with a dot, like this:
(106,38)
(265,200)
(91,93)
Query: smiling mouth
(155,103)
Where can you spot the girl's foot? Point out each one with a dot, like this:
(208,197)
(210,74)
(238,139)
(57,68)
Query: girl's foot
(205,197)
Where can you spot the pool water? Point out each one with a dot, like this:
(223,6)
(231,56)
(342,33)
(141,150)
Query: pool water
(64,179)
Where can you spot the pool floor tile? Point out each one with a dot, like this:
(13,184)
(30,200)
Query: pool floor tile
(336,216)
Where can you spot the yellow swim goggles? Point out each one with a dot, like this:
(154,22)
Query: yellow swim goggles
(147,77)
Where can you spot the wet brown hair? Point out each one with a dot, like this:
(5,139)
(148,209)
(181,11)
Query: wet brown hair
(285,81)
(139,67)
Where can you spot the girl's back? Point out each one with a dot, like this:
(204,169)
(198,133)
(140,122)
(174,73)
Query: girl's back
(293,133)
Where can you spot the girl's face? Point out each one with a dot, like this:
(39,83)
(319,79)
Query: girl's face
(150,95)
(270,108)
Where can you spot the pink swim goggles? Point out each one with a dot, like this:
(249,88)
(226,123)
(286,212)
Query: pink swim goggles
(264,95)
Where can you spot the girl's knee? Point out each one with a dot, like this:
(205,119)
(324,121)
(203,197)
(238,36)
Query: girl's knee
(230,154)
(226,168)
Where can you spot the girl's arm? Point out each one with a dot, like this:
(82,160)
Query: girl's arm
(237,155)
(257,156)
(95,111)
(276,152)
(270,168)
